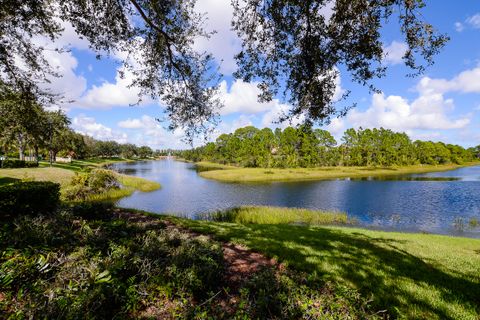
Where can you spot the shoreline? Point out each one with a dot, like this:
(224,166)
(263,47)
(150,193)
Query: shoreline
(225,173)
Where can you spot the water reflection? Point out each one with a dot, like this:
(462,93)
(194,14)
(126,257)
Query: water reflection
(423,202)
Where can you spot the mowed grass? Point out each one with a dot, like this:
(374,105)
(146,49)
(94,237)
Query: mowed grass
(412,276)
(63,174)
(276,215)
(57,175)
(234,174)
(81,165)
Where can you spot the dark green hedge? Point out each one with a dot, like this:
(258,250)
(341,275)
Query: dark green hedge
(17,164)
(33,197)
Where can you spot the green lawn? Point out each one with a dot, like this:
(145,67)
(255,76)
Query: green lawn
(79,165)
(235,174)
(63,173)
(413,276)
(53,174)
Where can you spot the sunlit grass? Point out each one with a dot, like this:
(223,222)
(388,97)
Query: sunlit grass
(63,176)
(275,215)
(85,164)
(137,183)
(57,175)
(413,276)
(234,174)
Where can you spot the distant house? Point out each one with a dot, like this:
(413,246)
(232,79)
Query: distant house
(66,159)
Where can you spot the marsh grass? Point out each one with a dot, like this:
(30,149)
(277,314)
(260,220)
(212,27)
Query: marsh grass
(412,276)
(137,183)
(276,215)
(236,174)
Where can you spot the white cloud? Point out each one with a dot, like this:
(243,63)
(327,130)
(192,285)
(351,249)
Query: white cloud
(146,130)
(427,112)
(70,85)
(459,27)
(89,126)
(109,95)
(242,97)
(241,122)
(224,44)
(467,81)
(394,52)
(336,126)
(131,124)
(70,38)
(474,21)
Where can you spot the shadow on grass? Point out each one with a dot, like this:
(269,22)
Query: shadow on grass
(7,180)
(405,285)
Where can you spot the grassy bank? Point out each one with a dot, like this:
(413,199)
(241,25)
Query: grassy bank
(413,276)
(82,165)
(234,174)
(63,174)
(129,184)
(275,215)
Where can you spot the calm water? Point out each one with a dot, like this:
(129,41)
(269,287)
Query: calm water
(441,202)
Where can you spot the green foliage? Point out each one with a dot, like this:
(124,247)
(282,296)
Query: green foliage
(294,49)
(85,185)
(68,266)
(304,147)
(33,197)
(17,164)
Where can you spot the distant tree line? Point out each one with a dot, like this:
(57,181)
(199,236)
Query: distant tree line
(26,128)
(307,147)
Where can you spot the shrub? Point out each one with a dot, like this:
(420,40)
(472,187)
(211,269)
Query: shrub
(32,197)
(85,185)
(15,163)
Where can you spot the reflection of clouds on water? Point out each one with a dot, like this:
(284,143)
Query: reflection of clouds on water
(418,205)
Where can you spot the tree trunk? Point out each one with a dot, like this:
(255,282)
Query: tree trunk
(21,146)
(35,153)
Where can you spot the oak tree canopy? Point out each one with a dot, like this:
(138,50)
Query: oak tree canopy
(292,47)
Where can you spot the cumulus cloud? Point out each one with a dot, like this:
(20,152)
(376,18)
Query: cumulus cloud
(394,52)
(131,124)
(69,85)
(89,126)
(396,113)
(467,81)
(109,95)
(242,97)
(224,44)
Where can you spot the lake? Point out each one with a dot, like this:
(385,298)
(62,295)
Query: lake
(440,202)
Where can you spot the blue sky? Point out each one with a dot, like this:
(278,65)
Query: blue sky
(443,104)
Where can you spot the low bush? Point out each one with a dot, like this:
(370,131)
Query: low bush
(15,163)
(85,185)
(33,197)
